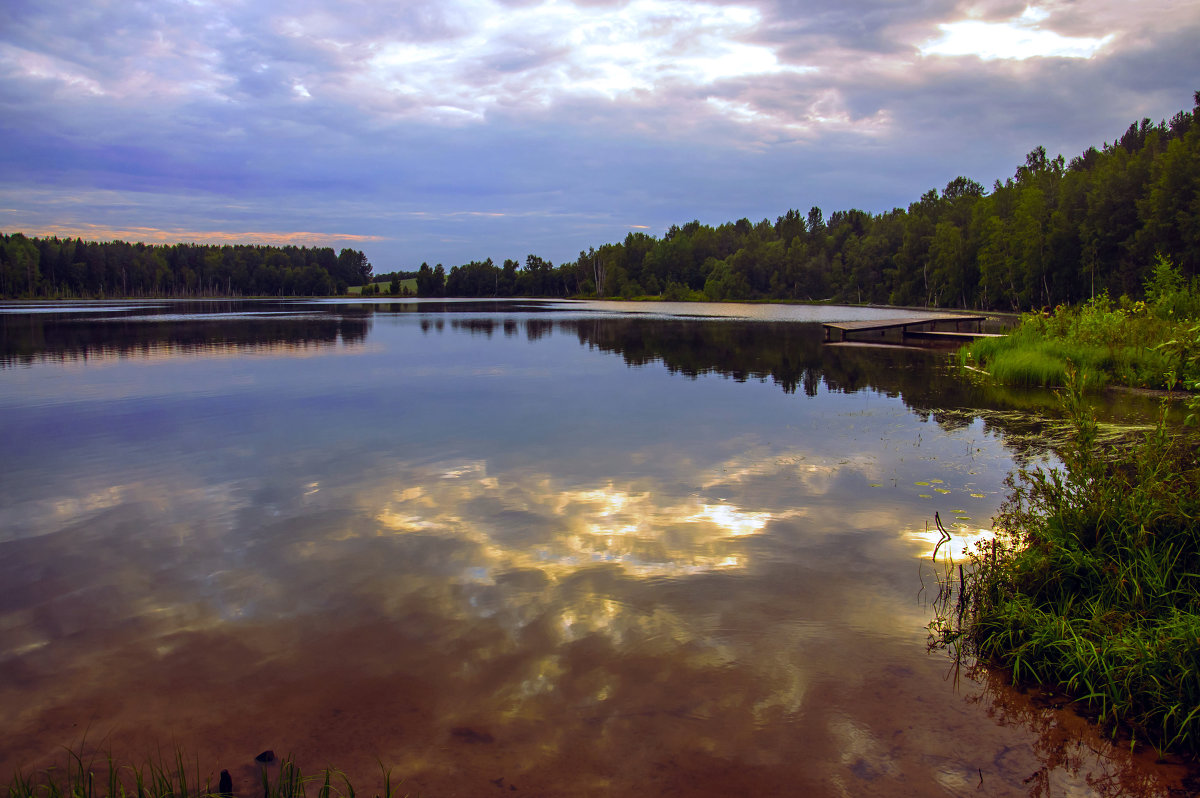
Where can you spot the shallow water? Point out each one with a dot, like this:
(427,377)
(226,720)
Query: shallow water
(545,548)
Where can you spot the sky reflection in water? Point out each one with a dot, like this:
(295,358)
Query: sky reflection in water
(481,546)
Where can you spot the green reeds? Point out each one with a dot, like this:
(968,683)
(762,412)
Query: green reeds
(1094,586)
(1039,366)
(104,777)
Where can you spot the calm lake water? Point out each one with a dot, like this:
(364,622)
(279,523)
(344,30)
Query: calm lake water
(538,548)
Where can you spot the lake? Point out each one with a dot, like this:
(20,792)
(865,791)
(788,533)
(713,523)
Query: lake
(539,548)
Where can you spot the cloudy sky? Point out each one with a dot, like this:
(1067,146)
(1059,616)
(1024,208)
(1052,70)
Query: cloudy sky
(464,129)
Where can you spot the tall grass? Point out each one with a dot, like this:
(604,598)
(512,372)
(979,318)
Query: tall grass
(1094,583)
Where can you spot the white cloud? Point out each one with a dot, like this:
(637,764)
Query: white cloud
(1015,39)
(43,67)
(533,56)
(805,116)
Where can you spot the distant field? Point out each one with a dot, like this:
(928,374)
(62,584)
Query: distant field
(410,284)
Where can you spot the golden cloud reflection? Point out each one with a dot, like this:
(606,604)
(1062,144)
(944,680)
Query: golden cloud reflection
(964,540)
(737,522)
(536,522)
(640,571)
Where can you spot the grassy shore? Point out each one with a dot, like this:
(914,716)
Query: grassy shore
(1093,583)
(408,288)
(1143,344)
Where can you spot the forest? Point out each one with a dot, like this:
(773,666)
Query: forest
(1056,232)
(72,268)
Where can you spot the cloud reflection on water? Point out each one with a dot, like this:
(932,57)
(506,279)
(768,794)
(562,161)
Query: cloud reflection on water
(533,521)
(525,591)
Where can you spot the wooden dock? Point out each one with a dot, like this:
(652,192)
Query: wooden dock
(925,327)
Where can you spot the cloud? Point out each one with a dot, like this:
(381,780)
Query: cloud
(153,235)
(511,127)
(1019,38)
(532,56)
(448,64)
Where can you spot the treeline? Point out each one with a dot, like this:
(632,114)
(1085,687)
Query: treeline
(484,279)
(53,267)
(1055,232)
